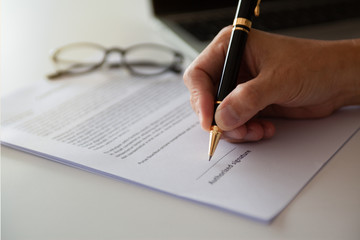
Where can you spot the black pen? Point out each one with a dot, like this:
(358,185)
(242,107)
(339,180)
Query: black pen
(245,12)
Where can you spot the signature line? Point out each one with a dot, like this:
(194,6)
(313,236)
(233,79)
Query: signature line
(216,163)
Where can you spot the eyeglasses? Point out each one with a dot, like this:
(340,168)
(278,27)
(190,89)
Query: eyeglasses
(146,59)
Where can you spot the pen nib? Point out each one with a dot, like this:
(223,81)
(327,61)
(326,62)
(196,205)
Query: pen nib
(215,134)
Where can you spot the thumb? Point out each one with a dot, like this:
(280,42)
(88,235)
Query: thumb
(243,103)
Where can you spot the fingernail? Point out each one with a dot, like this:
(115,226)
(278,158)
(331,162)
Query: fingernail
(227,117)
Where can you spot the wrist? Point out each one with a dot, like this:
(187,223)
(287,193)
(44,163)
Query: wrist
(346,55)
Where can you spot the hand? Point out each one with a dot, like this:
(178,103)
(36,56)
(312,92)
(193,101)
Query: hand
(286,77)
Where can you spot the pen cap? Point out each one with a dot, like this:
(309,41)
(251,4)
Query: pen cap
(246,8)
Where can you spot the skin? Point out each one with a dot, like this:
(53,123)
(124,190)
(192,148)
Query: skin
(285,77)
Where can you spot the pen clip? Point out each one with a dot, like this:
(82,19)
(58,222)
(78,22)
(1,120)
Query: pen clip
(257,9)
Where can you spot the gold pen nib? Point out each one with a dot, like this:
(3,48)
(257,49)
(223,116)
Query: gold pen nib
(215,134)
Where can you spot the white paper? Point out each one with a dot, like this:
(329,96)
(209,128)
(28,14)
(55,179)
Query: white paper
(143,130)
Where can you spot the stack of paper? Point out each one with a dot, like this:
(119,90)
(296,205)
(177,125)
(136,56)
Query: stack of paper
(143,130)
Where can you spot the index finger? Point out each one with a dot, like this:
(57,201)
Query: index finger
(202,76)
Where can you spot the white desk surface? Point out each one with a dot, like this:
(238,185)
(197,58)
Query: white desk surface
(41,199)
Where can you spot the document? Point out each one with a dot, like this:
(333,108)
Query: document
(143,130)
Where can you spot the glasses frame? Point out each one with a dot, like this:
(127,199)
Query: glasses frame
(174,66)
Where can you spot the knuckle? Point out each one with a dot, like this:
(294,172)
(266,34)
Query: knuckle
(224,32)
(187,76)
(222,39)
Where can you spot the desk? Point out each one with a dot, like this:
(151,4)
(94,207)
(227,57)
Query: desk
(46,200)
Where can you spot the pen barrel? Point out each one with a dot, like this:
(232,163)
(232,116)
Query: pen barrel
(235,52)
(229,78)
(246,8)
(245,12)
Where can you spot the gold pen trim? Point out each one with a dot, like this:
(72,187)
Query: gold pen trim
(241,29)
(242,21)
(257,9)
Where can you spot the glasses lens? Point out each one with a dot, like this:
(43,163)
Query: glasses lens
(79,57)
(149,59)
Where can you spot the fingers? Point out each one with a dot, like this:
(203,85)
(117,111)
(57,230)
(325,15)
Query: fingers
(253,130)
(202,76)
(202,101)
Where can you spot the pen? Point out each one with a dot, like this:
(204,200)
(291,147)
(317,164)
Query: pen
(245,12)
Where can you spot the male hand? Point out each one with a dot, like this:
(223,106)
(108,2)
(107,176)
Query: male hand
(285,77)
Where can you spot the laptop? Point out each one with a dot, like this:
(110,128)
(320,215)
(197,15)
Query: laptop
(196,22)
